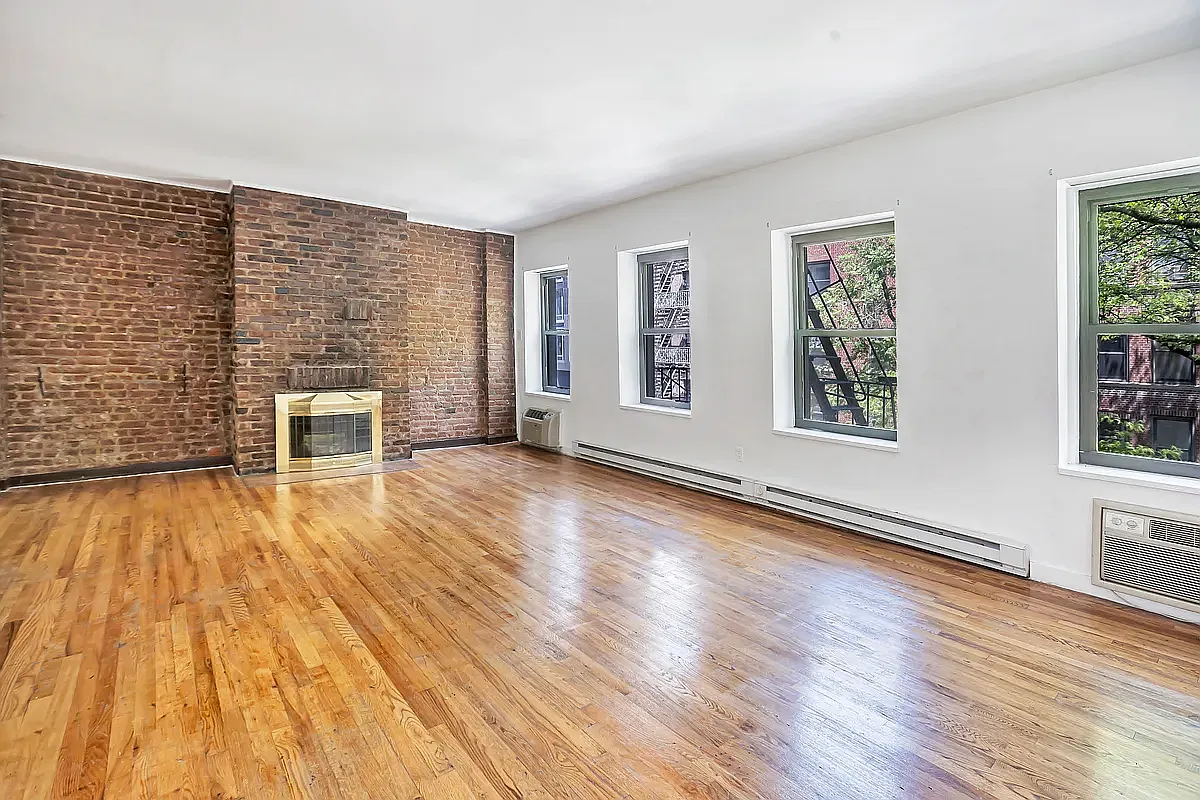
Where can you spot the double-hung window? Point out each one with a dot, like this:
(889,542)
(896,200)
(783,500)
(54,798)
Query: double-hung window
(556,333)
(664,281)
(845,370)
(1140,325)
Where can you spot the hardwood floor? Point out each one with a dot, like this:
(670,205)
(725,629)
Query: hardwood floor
(502,623)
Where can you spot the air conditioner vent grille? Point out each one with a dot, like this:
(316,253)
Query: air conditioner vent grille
(1165,530)
(536,413)
(1150,568)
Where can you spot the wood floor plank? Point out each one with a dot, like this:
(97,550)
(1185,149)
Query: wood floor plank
(507,624)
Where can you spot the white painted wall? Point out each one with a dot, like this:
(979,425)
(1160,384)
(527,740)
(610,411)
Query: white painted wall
(974,197)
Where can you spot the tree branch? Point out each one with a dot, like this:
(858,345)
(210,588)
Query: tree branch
(1154,219)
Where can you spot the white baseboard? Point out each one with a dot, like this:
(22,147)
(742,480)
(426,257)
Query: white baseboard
(1082,582)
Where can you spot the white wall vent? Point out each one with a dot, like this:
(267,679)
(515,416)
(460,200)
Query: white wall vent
(540,428)
(1146,552)
(965,546)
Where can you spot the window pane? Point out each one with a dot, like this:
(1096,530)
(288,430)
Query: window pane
(668,370)
(850,380)
(557,310)
(556,353)
(1113,358)
(1148,260)
(1129,422)
(852,284)
(1131,409)
(667,283)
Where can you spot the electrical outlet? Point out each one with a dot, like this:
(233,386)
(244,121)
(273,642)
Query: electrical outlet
(737,453)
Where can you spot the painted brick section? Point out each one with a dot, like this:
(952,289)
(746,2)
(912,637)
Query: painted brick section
(501,360)
(448,361)
(112,287)
(297,261)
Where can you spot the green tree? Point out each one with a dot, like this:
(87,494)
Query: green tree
(1149,260)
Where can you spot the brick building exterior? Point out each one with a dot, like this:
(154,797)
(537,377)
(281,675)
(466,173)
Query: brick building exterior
(147,324)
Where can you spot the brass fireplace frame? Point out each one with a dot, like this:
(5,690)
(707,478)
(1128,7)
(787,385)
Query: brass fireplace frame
(315,404)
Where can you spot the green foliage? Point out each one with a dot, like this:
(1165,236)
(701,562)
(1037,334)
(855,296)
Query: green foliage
(1149,260)
(1117,435)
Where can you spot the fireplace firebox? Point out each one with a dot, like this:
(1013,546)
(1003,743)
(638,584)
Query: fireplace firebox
(324,430)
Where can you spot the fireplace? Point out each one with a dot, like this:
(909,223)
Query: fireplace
(324,430)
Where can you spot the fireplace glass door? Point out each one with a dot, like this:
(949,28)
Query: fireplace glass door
(329,435)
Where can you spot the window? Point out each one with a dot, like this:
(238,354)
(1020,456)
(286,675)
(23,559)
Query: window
(556,334)
(846,330)
(1140,324)
(666,339)
(1173,433)
(1172,364)
(1113,364)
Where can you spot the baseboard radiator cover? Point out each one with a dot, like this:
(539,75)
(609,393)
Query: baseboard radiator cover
(975,548)
(702,479)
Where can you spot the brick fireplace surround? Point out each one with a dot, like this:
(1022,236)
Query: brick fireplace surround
(146,326)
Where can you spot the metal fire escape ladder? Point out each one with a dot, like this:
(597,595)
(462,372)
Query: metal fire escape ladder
(672,375)
(850,388)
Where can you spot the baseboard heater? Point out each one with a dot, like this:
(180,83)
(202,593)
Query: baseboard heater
(966,546)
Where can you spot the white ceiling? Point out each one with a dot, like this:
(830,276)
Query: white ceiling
(508,113)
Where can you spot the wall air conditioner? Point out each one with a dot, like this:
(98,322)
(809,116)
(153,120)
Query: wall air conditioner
(1146,552)
(539,427)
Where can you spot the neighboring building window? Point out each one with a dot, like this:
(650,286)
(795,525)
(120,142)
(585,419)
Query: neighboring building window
(1173,434)
(556,334)
(1140,324)
(1172,364)
(1113,364)
(846,330)
(666,341)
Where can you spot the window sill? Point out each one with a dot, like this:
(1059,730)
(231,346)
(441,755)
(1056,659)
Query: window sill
(653,409)
(564,398)
(1131,477)
(865,442)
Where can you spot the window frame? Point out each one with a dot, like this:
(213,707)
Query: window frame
(547,313)
(646,317)
(802,330)
(1090,327)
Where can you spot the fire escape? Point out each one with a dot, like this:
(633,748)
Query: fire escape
(672,363)
(846,390)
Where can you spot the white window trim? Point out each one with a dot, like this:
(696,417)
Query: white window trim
(669,411)
(865,442)
(1069,326)
(783,339)
(562,398)
(532,319)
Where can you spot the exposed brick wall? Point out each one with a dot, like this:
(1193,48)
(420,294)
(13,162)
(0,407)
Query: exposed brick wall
(501,360)
(448,361)
(3,361)
(296,262)
(111,286)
